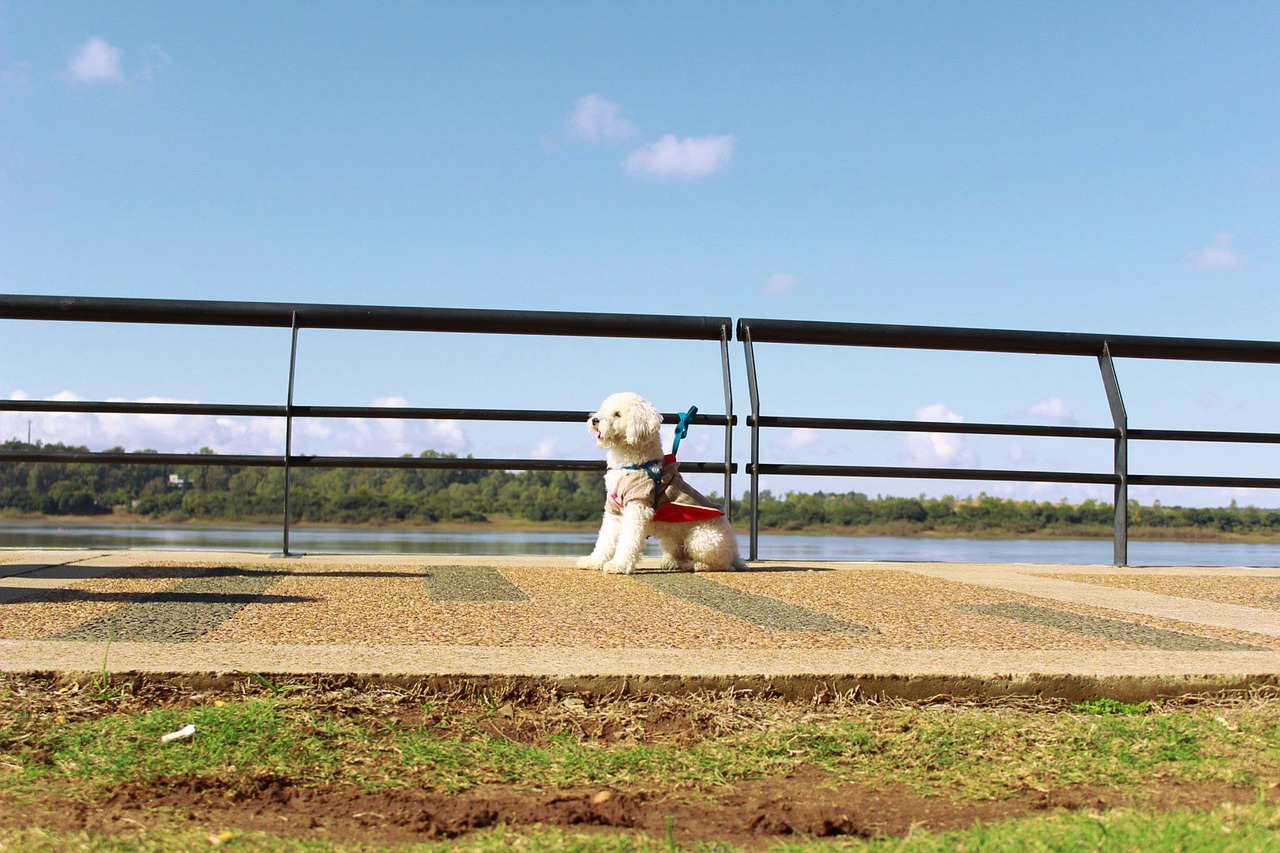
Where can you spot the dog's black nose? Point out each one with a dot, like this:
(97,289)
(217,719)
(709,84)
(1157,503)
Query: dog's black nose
(595,421)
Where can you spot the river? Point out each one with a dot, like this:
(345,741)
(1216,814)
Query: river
(346,540)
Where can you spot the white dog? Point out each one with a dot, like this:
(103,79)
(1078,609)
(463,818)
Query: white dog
(648,497)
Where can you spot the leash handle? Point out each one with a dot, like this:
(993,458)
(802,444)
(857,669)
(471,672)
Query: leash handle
(682,428)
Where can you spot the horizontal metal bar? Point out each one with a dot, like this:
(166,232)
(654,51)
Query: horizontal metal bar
(1006,341)
(1217,482)
(123,408)
(1204,435)
(363,317)
(936,426)
(932,473)
(522,415)
(212,460)
(469,464)
(385,412)
(440,463)
(410,462)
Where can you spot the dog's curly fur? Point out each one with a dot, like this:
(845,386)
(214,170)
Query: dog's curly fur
(627,426)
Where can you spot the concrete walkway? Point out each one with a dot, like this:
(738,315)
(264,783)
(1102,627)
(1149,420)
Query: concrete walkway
(885,628)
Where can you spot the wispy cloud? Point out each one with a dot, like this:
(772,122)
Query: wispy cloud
(1209,400)
(16,74)
(682,159)
(939,449)
(154,60)
(806,443)
(779,283)
(1051,409)
(1218,256)
(96,62)
(802,438)
(546,448)
(187,434)
(597,119)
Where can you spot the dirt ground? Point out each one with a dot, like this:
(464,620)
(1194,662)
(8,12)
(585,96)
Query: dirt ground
(754,814)
(750,815)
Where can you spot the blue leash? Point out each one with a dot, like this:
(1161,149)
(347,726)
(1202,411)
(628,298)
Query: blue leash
(654,466)
(682,428)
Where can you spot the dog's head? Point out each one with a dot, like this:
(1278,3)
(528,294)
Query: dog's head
(625,420)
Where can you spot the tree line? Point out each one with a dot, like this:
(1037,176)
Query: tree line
(178,493)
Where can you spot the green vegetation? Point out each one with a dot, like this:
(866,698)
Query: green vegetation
(327,496)
(389,496)
(1179,774)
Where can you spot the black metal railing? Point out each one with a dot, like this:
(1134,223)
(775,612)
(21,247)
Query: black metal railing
(1105,348)
(297,317)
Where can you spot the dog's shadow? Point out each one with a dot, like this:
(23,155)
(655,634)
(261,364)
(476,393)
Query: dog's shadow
(641,570)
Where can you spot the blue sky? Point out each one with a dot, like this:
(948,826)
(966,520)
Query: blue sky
(1092,167)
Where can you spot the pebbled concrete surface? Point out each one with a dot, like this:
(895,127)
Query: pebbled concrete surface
(889,628)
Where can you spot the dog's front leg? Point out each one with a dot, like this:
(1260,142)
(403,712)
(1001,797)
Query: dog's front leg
(632,532)
(606,542)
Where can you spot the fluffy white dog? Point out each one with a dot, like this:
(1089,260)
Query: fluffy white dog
(648,497)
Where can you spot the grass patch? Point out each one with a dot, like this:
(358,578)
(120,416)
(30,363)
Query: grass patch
(979,752)
(68,743)
(1111,707)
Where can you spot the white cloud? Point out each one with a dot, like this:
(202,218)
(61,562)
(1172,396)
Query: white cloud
(1219,256)
(939,449)
(683,159)
(1051,409)
(96,62)
(597,119)
(802,438)
(187,434)
(546,448)
(779,283)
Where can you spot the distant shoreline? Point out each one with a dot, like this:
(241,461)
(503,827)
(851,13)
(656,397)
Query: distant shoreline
(503,524)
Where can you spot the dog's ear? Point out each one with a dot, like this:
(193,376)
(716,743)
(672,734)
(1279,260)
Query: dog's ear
(643,422)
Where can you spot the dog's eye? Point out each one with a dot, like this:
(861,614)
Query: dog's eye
(617,414)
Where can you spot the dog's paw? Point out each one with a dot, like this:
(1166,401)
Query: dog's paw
(589,563)
(617,567)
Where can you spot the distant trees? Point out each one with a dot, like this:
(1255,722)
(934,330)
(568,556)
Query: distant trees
(425,496)
(987,515)
(338,496)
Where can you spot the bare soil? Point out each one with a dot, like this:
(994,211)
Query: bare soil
(805,803)
(750,815)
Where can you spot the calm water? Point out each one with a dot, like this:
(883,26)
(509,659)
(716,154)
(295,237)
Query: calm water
(772,547)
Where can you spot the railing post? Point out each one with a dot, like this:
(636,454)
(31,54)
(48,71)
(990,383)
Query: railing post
(728,427)
(1119,417)
(288,434)
(754,553)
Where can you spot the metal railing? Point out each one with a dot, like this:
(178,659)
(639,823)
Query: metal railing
(1105,348)
(297,317)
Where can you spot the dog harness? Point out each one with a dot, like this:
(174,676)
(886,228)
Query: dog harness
(658,483)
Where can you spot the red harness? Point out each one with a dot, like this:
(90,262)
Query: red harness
(671,512)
